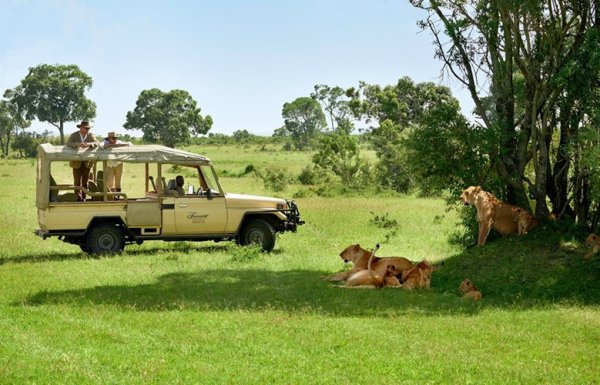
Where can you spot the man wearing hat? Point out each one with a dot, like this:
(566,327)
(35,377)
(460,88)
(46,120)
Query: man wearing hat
(114,169)
(81,170)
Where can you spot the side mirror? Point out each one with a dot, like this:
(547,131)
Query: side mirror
(209,193)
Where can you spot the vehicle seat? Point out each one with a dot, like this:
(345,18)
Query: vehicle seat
(163,185)
(53,193)
(171,188)
(67,197)
(92,186)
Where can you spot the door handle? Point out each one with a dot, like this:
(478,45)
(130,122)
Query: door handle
(182,205)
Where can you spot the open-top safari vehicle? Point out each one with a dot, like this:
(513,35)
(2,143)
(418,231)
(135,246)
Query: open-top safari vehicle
(107,220)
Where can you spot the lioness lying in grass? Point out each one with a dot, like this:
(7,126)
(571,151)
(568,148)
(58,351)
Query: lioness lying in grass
(370,279)
(360,260)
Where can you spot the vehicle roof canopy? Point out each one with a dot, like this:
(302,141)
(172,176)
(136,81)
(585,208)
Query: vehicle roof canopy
(135,154)
(48,153)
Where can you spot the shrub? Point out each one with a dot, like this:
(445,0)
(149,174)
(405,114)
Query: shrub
(311,175)
(274,178)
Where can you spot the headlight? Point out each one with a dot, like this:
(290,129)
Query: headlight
(282,206)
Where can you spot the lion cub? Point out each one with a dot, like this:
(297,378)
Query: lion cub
(469,290)
(594,242)
(524,220)
(419,277)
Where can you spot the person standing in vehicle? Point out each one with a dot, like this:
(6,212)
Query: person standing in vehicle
(81,169)
(114,168)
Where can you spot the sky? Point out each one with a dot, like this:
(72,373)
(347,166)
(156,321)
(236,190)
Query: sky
(241,60)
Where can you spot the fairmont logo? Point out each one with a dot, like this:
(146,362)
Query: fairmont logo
(197,218)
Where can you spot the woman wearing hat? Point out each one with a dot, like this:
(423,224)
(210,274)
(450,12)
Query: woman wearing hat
(81,170)
(114,169)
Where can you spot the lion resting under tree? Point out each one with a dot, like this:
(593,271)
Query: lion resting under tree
(495,214)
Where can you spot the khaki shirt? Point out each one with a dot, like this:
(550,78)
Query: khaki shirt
(74,140)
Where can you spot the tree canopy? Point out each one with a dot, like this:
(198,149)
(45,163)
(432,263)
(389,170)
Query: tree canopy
(303,121)
(170,118)
(54,94)
(532,70)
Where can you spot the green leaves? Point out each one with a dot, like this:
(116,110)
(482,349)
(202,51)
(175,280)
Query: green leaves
(54,94)
(338,152)
(303,121)
(169,118)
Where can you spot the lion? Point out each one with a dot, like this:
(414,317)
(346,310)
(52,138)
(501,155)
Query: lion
(494,214)
(594,242)
(469,290)
(360,260)
(524,220)
(370,279)
(417,277)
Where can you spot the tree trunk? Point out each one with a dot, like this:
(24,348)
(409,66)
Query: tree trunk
(560,196)
(541,175)
(62,132)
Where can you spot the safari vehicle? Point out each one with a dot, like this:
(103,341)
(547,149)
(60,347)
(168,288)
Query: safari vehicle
(106,221)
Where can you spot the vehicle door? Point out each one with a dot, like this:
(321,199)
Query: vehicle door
(201,211)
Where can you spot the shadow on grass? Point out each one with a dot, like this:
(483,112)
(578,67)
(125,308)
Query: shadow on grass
(44,257)
(295,291)
(131,250)
(536,271)
(545,266)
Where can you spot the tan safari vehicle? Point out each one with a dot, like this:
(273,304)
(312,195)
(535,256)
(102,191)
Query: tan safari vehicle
(146,208)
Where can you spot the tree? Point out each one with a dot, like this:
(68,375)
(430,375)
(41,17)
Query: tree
(444,152)
(242,136)
(303,122)
(336,105)
(54,94)
(338,152)
(403,104)
(397,109)
(6,128)
(170,117)
(10,122)
(521,49)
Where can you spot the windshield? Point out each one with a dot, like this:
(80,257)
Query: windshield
(210,177)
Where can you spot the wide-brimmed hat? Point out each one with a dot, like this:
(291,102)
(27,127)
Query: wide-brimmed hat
(84,124)
(112,134)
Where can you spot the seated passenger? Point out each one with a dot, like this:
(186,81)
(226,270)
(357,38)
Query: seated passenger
(179,182)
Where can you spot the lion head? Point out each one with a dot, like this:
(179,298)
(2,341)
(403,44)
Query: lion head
(468,196)
(351,253)
(466,286)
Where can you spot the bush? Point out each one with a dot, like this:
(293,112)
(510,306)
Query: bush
(26,144)
(311,175)
(274,178)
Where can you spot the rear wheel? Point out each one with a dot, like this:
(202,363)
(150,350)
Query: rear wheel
(105,238)
(258,231)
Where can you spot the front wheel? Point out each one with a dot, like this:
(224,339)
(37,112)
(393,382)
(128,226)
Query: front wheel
(105,238)
(258,231)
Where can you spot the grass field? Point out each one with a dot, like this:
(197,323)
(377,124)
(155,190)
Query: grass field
(214,313)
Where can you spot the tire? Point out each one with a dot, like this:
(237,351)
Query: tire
(105,238)
(258,231)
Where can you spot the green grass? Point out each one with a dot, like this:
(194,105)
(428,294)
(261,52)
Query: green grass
(213,313)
